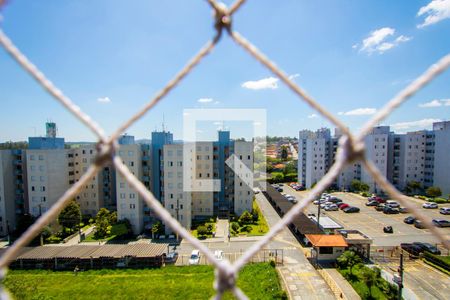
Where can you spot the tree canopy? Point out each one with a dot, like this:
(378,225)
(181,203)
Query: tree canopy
(70,216)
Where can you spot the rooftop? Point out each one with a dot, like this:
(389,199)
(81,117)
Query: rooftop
(324,240)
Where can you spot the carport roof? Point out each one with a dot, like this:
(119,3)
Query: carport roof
(324,240)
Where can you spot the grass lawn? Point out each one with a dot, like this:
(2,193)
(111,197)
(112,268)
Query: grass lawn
(258,281)
(360,286)
(261,227)
(211,222)
(116,230)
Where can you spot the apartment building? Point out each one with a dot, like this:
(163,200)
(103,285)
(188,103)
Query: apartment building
(314,155)
(47,174)
(8,190)
(129,203)
(420,156)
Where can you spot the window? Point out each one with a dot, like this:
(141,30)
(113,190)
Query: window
(131,163)
(130,153)
(42,178)
(326,250)
(132,195)
(41,157)
(132,206)
(122,195)
(42,188)
(31,157)
(32,187)
(122,185)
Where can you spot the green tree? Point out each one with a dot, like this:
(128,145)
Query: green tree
(235,226)
(156,228)
(359,186)
(369,277)
(433,191)
(202,230)
(413,186)
(70,216)
(245,218)
(277,177)
(349,259)
(102,223)
(284,153)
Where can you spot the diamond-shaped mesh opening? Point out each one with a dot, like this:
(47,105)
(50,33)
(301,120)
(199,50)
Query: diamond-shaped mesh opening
(351,149)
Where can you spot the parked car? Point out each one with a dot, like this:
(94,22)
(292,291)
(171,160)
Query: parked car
(195,257)
(409,220)
(351,209)
(419,224)
(444,210)
(411,248)
(388,229)
(441,223)
(279,189)
(430,205)
(335,200)
(427,247)
(392,203)
(218,254)
(390,210)
(372,203)
(171,258)
(376,198)
(342,205)
(331,207)
(403,210)
(380,207)
(299,188)
(256,191)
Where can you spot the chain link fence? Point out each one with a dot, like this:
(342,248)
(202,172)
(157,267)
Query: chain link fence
(351,148)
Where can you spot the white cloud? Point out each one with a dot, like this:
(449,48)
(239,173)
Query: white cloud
(312,116)
(436,11)
(359,112)
(205,100)
(293,76)
(265,83)
(435,103)
(380,41)
(104,100)
(419,124)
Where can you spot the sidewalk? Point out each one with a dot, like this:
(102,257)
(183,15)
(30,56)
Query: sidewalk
(342,285)
(299,276)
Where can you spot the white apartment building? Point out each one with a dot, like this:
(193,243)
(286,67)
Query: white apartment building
(129,204)
(441,151)
(420,156)
(47,177)
(243,185)
(377,151)
(313,155)
(176,201)
(91,197)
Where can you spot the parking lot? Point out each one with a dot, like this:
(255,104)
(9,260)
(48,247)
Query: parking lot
(371,222)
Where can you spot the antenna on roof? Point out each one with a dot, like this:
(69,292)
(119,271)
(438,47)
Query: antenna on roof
(163,127)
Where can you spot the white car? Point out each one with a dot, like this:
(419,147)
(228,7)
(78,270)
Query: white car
(430,205)
(218,254)
(331,207)
(392,203)
(195,257)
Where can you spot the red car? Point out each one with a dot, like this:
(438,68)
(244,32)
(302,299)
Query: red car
(343,205)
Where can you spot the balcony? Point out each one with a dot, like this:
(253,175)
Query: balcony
(19,191)
(145,158)
(17,162)
(146,178)
(19,181)
(18,172)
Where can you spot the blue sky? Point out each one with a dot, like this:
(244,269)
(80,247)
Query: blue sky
(352,56)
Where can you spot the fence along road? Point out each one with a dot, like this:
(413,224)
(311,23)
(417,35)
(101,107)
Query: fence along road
(351,148)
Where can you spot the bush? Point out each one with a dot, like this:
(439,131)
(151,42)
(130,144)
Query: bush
(245,218)
(246,228)
(235,226)
(202,230)
(272,263)
(365,194)
(53,239)
(440,200)
(422,197)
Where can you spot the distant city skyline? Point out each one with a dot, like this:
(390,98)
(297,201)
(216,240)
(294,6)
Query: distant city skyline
(352,68)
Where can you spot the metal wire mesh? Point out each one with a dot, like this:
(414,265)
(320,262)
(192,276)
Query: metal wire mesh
(351,148)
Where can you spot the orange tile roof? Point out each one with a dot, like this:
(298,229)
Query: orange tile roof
(327,240)
(279,166)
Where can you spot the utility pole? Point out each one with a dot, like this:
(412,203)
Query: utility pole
(177,209)
(400,272)
(318,215)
